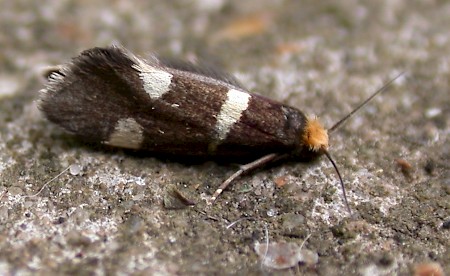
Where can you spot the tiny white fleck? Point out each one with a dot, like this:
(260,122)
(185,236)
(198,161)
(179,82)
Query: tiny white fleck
(433,112)
(271,212)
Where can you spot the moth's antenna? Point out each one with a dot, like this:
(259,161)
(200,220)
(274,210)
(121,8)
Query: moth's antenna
(340,179)
(341,121)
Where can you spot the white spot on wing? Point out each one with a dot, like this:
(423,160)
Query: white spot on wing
(231,111)
(127,134)
(156,81)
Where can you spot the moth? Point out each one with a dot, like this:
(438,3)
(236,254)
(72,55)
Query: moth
(111,96)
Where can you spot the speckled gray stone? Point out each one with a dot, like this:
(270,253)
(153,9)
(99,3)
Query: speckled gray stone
(322,57)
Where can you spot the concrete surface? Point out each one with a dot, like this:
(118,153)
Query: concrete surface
(111,212)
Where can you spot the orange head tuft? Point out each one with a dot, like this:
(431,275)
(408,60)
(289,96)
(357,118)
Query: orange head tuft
(315,136)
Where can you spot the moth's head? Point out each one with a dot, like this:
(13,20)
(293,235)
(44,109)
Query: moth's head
(315,136)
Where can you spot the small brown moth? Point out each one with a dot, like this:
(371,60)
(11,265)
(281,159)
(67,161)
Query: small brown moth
(111,96)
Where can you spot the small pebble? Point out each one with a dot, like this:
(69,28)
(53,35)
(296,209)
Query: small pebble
(281,255)
(428,269)
(75,169)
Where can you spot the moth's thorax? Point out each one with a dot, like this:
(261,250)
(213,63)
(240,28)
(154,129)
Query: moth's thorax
(315,136)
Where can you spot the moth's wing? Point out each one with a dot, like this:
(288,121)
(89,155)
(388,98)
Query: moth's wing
(204,68)
(111,96)
(266,126)
(87,95)
(100,96)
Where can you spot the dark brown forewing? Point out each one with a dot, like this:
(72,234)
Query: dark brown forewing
(100,87)
(91,93)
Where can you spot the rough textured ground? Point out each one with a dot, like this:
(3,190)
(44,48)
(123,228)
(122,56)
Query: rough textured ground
(104,213)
